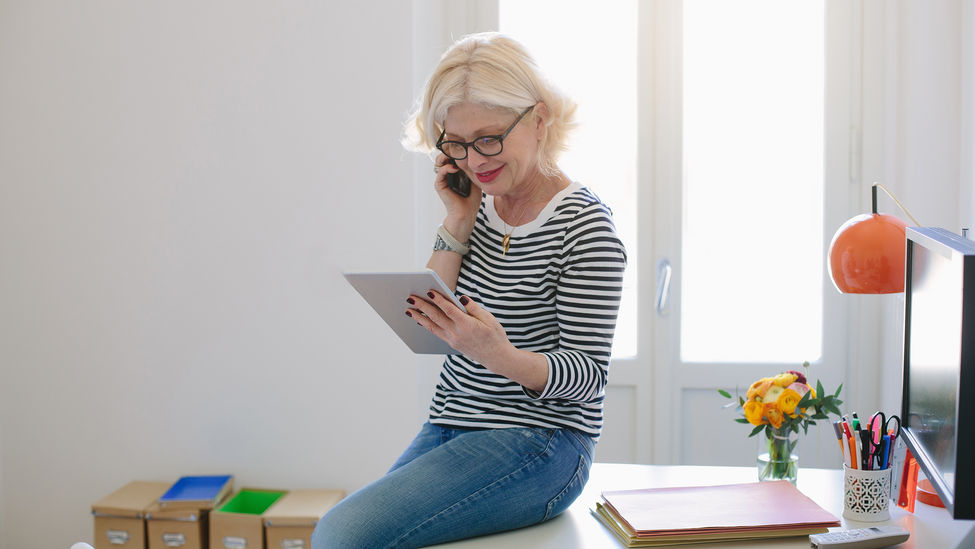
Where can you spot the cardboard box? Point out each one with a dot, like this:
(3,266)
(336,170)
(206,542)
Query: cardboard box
(120,516)
(180,528)
(239,523)
(290,522)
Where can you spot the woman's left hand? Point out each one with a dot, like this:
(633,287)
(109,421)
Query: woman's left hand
(477,333)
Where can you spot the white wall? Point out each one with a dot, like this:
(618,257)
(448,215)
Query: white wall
(180,186)
(922,120)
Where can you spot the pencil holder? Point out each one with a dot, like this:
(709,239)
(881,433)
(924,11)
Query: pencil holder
(866,495)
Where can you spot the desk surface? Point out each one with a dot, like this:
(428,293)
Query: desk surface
(931,527)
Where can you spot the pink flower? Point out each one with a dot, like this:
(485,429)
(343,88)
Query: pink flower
(799,387)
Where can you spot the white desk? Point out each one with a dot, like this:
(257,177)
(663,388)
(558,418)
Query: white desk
(931,527)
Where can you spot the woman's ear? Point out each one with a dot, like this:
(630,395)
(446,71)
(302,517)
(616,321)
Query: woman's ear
(541,122)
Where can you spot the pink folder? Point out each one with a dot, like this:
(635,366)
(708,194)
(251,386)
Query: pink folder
(753,507)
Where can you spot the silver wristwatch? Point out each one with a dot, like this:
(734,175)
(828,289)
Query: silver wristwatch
(446,241)
(442,244)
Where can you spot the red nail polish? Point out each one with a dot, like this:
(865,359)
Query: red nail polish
(430,295)
(464,301)
(410,301)
(409,314)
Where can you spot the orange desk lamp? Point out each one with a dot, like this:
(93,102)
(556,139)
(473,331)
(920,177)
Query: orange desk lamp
(867,254)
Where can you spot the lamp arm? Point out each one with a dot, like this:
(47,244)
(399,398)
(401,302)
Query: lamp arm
(886,190)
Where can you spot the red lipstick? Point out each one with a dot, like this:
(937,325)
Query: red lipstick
(487,177)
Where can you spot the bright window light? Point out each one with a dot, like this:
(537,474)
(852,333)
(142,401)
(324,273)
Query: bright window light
(752,249)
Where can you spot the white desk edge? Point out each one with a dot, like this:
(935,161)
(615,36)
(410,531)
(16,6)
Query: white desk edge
(931,527)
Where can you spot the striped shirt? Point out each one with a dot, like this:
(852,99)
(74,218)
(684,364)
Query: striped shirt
(556,292)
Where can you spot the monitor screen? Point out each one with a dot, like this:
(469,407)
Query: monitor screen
(939,362)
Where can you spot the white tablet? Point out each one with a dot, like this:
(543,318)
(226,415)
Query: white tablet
(386,292)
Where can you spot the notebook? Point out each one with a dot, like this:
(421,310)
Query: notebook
(662,516)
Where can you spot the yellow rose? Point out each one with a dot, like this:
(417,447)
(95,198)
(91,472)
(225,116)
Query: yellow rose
(788,400)
(773,414)
(753,412)
(784,380)
(758,388)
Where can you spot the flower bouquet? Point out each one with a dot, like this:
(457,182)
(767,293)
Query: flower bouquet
(778,406)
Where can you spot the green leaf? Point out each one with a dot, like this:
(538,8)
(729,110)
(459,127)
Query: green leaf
(741,402)
(838,389)
(819,388)
(741,420)
(724,393)
(804,401)
(757,429)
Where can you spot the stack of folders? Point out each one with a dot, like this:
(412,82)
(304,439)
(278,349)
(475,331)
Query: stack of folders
(711,514)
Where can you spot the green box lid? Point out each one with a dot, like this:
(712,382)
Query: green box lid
(251,502)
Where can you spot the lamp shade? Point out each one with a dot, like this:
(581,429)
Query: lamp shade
(867,255)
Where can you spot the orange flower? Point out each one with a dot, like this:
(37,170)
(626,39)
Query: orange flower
(773,414)
(758,388)
(753,412)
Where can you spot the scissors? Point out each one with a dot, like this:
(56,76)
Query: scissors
(883,437)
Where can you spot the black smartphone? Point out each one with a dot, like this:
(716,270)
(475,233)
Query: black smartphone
(459,182)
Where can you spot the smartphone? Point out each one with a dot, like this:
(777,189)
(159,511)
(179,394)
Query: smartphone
(459,182)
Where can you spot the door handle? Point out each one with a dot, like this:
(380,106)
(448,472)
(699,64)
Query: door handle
(664,272)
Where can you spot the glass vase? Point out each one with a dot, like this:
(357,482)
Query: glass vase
(778,458)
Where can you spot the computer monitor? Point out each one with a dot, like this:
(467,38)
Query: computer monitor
(938,407)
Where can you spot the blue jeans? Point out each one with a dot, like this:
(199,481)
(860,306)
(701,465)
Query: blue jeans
(452,484)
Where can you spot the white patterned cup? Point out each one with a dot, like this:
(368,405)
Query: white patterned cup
(866,495)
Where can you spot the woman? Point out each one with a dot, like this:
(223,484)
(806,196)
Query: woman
(535,259)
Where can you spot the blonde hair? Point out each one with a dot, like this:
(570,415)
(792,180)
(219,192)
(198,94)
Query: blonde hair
(495,71)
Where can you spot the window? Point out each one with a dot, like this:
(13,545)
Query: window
(752,252)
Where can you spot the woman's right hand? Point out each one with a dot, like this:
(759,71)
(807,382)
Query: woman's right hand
(461,211)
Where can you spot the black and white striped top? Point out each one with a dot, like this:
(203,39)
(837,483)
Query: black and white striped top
(556,292)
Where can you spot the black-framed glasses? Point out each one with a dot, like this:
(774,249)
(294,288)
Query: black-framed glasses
(489,145)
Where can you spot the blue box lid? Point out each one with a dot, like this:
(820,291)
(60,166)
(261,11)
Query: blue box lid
(204,489)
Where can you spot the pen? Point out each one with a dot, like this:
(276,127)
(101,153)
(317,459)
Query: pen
(852,462)
(846,453)
(884,454)
(839,433)
(865,441)
(839,440)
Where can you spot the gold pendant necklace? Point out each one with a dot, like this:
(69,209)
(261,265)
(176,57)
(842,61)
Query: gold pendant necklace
(506,241)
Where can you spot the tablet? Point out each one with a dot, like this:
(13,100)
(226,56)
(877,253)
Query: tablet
(386,292)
